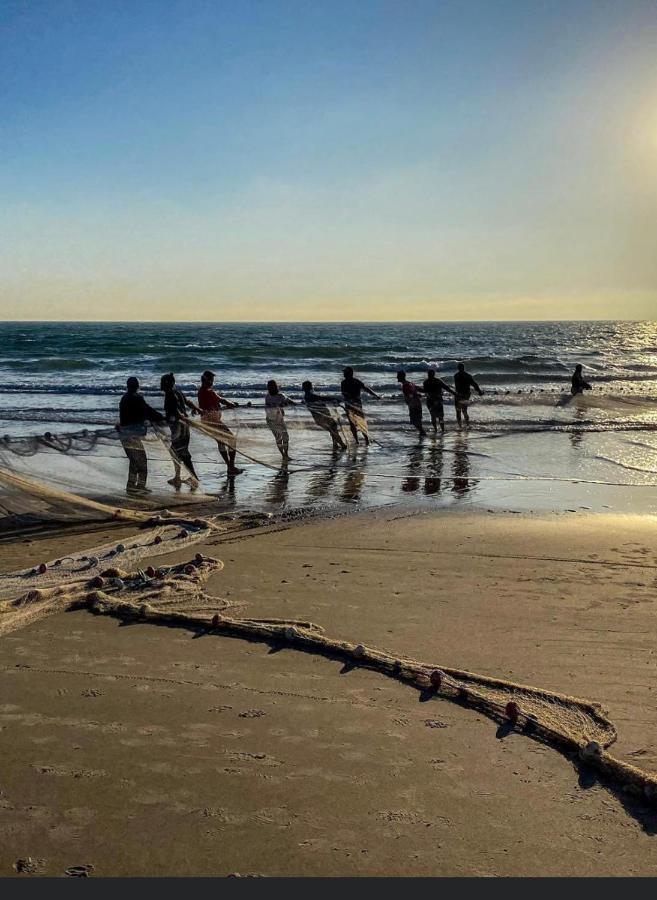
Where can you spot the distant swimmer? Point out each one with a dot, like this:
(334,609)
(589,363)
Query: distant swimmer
(578,385)
(210,404)
(433,390)
(319,409)
(351,388)
(134,412)
(413,397)
(463,382)
(175,412)
(275,403)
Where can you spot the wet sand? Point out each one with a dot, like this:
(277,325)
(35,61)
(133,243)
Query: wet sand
(145,750)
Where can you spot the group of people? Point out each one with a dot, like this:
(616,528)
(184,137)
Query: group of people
(135,412)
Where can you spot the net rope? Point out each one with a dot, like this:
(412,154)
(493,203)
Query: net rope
(176,595)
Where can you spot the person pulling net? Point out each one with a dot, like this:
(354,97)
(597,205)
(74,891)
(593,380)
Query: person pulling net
(318,407)
(134,412)
(211,404)
(351,389)
(176,405)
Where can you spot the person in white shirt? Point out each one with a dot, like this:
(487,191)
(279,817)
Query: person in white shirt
(275,403)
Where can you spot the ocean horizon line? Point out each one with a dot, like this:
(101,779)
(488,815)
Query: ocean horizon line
(368,322)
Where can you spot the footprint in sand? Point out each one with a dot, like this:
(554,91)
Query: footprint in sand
(79,871)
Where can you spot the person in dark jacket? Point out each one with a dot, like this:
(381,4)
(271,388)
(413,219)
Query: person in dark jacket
(134,412)
(577,383)
(463,383)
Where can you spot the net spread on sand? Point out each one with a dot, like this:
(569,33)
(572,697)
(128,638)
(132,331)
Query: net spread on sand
(99,581)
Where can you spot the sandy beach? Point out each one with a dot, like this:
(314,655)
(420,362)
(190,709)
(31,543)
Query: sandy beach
(146,750)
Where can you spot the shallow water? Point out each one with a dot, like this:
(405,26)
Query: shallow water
(526,447)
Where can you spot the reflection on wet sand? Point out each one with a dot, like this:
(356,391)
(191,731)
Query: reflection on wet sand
(277,487)
(577,434)
(414,464)
(320,483)
(434,468)
(352,486)
(462,484)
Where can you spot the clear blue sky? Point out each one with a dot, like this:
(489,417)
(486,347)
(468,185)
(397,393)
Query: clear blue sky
(328,160)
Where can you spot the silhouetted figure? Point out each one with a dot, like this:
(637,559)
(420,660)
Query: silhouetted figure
(351,389)
(463,382)
(318,407)
(175,412)
(275,403)
(413,397)
(577,384)
(134,412)
(210,404)
(433,390)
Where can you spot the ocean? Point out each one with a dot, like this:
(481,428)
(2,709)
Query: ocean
(522,449)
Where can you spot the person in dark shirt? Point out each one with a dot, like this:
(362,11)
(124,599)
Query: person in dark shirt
(351,389)
(433,390)
(412,395)
(577,384)
(463,382)
(319,410)
(175,412)
(134,412)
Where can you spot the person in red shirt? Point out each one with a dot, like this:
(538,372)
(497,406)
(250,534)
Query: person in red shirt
(413,397)
(211,403)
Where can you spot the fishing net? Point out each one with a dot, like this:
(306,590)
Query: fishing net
(84,474)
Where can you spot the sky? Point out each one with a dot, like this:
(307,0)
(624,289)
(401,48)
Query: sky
(327,160)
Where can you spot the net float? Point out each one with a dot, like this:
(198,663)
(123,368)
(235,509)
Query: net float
(290,633)
(590,751)
(436,678)
(150,571)
(199,559)
(120,548)
(190,569)
(157,539)
(118,584)
(43,568)
(512,711)
(358,651)
(160,573)
(93,560)
(184,533)
(98,582)
(215,620)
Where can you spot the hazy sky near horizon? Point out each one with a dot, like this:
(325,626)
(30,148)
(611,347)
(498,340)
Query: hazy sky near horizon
(328,160)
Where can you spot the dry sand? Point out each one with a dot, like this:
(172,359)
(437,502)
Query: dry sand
(144,750)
